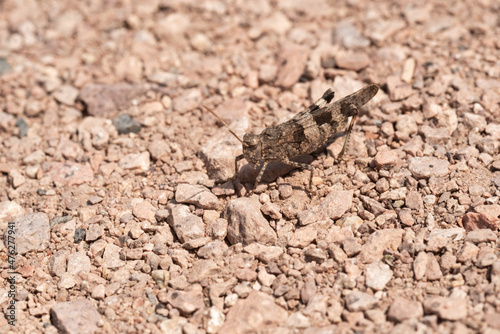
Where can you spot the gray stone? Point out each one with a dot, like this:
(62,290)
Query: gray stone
(188,100)
(308,290)
(9,211)
(217,229)
(495,273)
(94,232)
(315,254)
(196,243)
(77,316)
(292,60)
(215,320)
(468,252)
(486,257)
(66,94)
(336,253)
(378,241)
(4,66)
(434,136)
(372,205)
(125,124)
(398,90)
(446,308)
(448,119)
(302,237)
(57,263)
(272,210)
(406,127)
(264,253)
(246,224)
(202,269)
(386,159)
(347,34)
(253,313)
(440,238)
(381,30)
(185,301)
(333,206)
(425,167)
(135,161)
(31,232)
(186,225)
(493,320)
(377,274)
(414,200)
(265,279)
(34,158)
(143,210)
(111,257)
(197,195)
(402,309)
(213,250)
(351,247)
(478,236)
(426,265)
(297,320)
(359,301)
(406,217)
(16,179)
(78,262)
(352,61)
(219,151)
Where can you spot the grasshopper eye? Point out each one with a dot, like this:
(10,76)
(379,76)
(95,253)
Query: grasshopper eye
(250,140)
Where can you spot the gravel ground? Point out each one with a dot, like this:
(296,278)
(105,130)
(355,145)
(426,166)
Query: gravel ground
(116,191)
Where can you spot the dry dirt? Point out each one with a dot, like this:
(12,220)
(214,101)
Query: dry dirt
(117,208)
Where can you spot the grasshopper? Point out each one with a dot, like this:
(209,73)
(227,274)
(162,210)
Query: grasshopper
(304,133)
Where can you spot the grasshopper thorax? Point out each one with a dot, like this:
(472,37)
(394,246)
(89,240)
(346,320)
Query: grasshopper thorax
(252,148)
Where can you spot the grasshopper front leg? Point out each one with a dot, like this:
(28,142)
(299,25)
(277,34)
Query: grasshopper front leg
(238,158)
(261,173)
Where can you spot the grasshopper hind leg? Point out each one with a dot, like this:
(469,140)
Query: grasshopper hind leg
(354,110)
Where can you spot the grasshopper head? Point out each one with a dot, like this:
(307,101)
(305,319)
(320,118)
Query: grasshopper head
(252,148)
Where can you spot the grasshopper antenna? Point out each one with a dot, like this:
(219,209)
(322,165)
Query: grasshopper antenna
(213,113)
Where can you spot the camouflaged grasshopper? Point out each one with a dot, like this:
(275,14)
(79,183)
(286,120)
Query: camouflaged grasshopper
(304,133)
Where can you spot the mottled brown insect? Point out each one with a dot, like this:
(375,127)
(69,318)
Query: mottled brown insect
(304,133)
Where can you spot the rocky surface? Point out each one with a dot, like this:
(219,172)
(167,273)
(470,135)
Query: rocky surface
(117,192)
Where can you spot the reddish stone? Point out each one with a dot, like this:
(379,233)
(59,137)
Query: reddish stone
(475,221)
